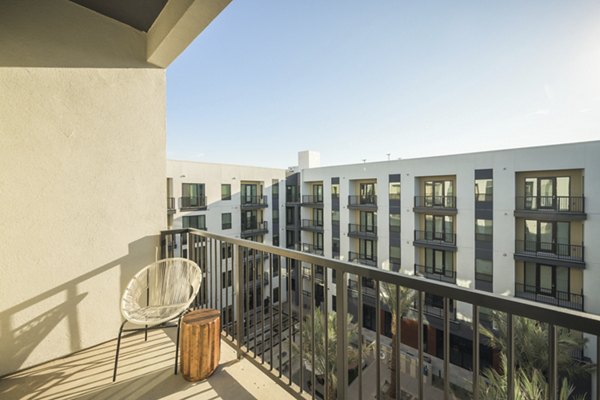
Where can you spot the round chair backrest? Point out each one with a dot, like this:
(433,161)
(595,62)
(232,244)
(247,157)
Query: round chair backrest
(168,285)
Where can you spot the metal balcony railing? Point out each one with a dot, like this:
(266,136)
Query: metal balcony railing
(311,224)
(311,248)
(267,332)
(547,250)
(445,274)
(556,297)
(255,229)
(362,230)
(312,199)
(370,260)
(436,201)
(192,203)
(560,204)
(254,201)
(435,237)
(362,201)
(292,198)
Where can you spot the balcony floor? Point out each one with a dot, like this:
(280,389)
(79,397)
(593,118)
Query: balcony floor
(145,372)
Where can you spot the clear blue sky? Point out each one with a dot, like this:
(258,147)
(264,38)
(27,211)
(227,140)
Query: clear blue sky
(359,79)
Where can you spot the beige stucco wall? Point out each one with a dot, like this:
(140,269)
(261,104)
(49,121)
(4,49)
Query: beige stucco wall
(82,176)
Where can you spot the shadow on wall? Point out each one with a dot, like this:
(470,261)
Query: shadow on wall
(18,342)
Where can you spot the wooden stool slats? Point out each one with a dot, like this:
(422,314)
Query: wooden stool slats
(200,344)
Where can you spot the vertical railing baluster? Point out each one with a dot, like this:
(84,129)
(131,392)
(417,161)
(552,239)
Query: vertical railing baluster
(398,342)
(378,338)
(326,328)
(597,365)
(312,317)
(262,306)
(247,289)
(220,278)
(271,319)
(446,348)
(288,263)
(300,273)
(280,312)
(342,334)
(360,336)
(553,361)
(214,272)
(475,352)
(510,357)
(240,305)
(420,345)
(254,298)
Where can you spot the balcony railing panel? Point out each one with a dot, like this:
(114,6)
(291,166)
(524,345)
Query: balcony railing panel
(312,199)
(362,201)
(436,237)
(445,274)
(254,201)
(436,201)
(255,229)
(171,204)
(266,325)
(362,230)
(361,258)
(311,248)
(560,204)
(547,250)
(192,203)
(311,224)
(556,297)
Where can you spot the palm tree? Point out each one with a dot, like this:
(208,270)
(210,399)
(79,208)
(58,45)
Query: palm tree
(389,297)
(532,357)
(326,361)
(528,386)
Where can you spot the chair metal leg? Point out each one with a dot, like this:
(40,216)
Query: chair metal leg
(118,347)
(177,343)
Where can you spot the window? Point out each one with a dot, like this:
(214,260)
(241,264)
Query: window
(318,216)
(367,193)
(548,280)
(439,194)
(367,249)
(368,221)
(289,216)
(289,239)
(335,247)
(483,269)
(318,240)
(483,229)
(226,221)
(194,221)
(394,191)
(483,190)
(192,195)
(395,253)
(275,216)
(275,188)
(275,240)
(548,236)
(335,190)
(439,227)
(250,193)
(317,191)
(548,193)
(225,191)
(291,193)
(394,222)
(439,261)
(249,220)
(335,217)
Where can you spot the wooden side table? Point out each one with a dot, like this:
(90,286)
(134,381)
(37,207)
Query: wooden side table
(200,344)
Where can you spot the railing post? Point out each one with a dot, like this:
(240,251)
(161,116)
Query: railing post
(510,357)
(342,341)
(239,314)
(553,367)
(475,352)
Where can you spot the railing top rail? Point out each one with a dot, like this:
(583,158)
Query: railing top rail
(572,319)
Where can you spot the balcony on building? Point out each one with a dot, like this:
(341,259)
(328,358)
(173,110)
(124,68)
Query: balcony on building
(192,203)
(253,202)
(436,240)
(566,254)
(310,200)
(551,208)
(440,205)
(361,258)
(311,225)
(553,296)
(311,248)
(366,203)
(255,229)
(362,231)
(171,208)
(444,274)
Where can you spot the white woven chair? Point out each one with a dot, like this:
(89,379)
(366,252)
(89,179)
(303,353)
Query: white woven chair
(159,293)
